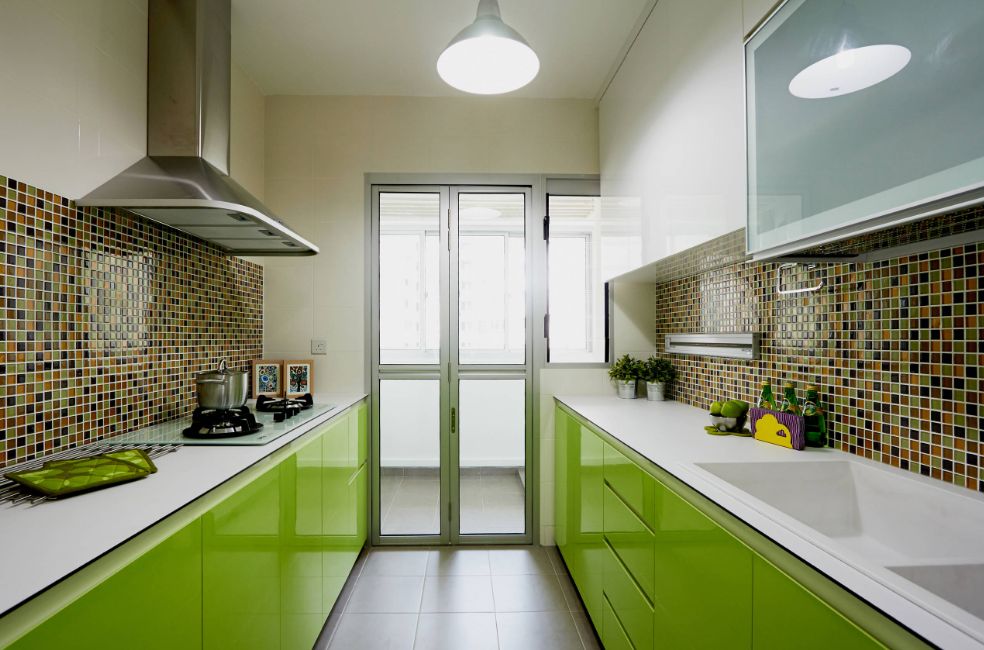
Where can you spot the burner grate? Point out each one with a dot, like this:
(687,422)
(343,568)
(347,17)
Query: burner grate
(13,494)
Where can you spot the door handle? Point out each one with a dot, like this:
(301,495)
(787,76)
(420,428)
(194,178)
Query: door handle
(454,420)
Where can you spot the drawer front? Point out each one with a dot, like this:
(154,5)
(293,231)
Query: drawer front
(628,603)
(632,541)
(636,488)
(613,635)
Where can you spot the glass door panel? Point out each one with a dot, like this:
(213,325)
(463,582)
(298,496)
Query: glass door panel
(491,278)
(409,278)
(410,456)
(492,456)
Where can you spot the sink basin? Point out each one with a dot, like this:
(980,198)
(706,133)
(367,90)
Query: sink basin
(961,584)
(892,519)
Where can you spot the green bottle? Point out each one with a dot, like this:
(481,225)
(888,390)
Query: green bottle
(816,423)
(789,402)
(767,400)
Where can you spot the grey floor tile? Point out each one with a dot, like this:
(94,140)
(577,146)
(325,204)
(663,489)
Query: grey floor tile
(537,631)
(457,594)
(386,594)
(458,562)
(520,560)
(457,632)
(528,593)
(397,562)
(375,632)
(589,639)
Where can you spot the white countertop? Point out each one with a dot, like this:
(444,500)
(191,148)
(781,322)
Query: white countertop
(42,544)
(671,435)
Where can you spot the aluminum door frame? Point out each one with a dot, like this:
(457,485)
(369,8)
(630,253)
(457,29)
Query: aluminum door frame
(491,371)
(431,372)
(449,471)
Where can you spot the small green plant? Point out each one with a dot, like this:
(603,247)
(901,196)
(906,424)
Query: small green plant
(657,371)
(625,369)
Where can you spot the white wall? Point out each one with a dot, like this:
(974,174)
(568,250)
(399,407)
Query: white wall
(671,127)
(74,79)
(317,152)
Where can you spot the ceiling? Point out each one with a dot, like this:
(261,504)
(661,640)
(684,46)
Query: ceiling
(390,47)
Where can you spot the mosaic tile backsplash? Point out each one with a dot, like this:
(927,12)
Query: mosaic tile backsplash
(894,346)
(107,319)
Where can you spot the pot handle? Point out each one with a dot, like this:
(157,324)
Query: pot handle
(222,365)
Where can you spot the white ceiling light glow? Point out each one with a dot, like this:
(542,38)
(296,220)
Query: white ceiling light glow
(849,71)
(488,57)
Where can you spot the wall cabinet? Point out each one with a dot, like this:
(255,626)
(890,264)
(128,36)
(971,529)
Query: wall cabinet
(664,573)
(260,568)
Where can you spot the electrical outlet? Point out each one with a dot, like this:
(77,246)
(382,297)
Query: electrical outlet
(319,346)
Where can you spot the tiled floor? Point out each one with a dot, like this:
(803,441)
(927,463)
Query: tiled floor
(500,598)
(492,501)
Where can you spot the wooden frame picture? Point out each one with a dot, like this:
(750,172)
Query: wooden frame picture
(268,378)
(299,377)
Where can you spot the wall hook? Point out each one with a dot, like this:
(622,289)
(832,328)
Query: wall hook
(790,292)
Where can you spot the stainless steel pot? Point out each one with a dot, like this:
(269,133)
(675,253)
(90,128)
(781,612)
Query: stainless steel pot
(222,388)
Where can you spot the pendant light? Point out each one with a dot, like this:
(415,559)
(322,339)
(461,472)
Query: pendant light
(488,57)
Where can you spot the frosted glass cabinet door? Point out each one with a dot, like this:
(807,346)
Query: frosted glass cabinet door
(861,112)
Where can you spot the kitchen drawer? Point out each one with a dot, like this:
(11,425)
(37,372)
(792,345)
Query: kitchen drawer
(628,602)
(630,482)
(613,635)
(632,541)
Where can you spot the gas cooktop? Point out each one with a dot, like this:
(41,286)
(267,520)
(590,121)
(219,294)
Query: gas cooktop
(172,432)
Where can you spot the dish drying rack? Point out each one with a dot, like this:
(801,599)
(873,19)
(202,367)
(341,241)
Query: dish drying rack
(13,494)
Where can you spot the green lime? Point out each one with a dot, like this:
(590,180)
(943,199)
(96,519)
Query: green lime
(716,408)
(731,410)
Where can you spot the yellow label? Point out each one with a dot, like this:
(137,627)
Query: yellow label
(769,429)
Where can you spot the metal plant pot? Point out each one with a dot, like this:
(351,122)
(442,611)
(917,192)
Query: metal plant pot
(656,391)
(626,388)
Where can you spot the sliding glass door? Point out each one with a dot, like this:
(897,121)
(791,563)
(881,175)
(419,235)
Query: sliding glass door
(451,364)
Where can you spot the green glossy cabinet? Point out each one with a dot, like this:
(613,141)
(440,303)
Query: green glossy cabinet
(704,579)
(261,568)
(155,602)
(657,570)
(787,615)
(277,552)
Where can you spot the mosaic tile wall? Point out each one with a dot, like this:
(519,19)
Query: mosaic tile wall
(107,318)
(894,346)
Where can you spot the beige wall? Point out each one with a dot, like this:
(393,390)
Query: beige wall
(74,79)
(247,124)
(317,152)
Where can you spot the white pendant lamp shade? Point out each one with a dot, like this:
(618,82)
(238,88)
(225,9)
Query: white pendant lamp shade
(488,57)
(850,70)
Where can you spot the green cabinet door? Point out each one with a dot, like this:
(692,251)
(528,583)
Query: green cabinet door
(787,615)
(154,602)
(242,567)
(587,523)
(562,423)
(703,579)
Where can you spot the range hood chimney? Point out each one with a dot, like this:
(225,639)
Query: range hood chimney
(184,180)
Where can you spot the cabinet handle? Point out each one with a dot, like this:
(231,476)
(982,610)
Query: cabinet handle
(454,420)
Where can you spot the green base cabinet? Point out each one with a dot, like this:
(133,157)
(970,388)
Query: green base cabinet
(155,602)
(787,615)
(261,568)
(659,566)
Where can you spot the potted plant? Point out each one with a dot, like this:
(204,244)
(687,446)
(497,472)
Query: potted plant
(657,373)
(625,372)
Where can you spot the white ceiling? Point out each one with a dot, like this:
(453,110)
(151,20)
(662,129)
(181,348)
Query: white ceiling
(390,47)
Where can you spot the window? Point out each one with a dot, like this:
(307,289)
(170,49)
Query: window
(577,305)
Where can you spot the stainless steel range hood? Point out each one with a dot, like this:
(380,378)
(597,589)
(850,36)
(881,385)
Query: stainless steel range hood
(184,180)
